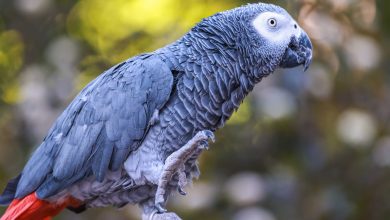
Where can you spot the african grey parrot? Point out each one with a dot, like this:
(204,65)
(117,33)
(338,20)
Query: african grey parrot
(133,135)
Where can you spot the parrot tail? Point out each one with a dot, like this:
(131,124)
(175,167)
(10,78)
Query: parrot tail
(33,208)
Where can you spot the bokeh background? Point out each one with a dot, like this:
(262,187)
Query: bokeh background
(303,146)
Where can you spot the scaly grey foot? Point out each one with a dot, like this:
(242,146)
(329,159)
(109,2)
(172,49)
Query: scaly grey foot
(175,163)
(161,216)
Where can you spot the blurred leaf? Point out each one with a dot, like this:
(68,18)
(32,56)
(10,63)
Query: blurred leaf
(242,115)
(11,94)
(124,28)
(11,59)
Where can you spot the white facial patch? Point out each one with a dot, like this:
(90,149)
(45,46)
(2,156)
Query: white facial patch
(276,28)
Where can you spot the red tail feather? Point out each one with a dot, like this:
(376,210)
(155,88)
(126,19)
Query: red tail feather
(32,208)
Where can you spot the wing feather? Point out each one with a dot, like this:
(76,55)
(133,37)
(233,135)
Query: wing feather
(98,130)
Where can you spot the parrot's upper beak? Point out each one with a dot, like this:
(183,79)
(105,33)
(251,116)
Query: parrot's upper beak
(299,52)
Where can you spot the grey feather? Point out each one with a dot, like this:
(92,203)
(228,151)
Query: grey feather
(74,143)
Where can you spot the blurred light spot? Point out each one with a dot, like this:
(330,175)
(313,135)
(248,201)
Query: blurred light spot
(334,202)
(381,153)
(242,115)
(63,53)
(321,27)
(245,188)
(275,103)
(11,94)
(200,195)
(293,79)
(341,5)
(253,213)
(356,127)
(367,12)
(332,59)
(33,6)
(35,107)
(318,82)
(362,53)
(282,184)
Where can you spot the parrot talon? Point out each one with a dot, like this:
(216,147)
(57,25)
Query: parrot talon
(160,208)
(210,135)
(204,145)
(181,191)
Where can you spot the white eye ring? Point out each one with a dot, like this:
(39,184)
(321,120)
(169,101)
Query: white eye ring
(272,22)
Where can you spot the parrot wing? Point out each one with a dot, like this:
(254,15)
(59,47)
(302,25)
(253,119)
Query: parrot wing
(98,130)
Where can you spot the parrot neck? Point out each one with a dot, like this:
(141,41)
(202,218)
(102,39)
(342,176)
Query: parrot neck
(213,42)
(217,54)
(222,72)
(215,73)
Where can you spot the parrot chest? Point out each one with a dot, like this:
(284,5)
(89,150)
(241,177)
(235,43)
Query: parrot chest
(195,105)
(200,101)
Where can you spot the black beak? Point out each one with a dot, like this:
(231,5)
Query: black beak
(299,52)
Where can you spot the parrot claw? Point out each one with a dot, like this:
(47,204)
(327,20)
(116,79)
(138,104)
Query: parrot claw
(210,135)
(204,145)
(181,191)
(160,208)
(203,139)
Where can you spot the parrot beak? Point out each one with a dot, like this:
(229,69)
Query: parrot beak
(299,52)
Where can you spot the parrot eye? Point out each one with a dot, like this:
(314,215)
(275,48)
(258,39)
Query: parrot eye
(272,22)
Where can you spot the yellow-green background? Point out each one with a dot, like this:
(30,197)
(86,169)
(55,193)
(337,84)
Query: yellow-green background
(303,146)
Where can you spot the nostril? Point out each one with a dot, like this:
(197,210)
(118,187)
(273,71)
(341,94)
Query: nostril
(294,44)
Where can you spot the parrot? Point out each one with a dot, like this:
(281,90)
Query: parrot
(134,134)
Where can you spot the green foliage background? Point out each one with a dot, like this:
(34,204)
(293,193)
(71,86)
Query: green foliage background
(303,146)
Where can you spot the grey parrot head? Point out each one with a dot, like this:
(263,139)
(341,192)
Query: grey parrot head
(266,36)
(281,36)
(277,35)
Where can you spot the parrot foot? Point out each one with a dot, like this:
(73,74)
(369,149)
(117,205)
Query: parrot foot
(175,164)
(163,216)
